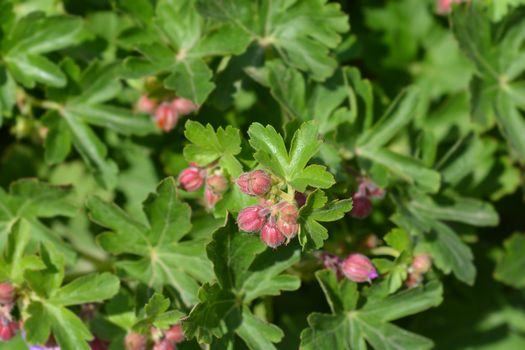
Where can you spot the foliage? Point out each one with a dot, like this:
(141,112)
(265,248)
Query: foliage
(138,139)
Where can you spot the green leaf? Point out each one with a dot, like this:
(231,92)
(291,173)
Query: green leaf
(35,34)
(208,145)
(348,328)
(316,209)
(245,269)
(183,42)
(403,25)
(71,117)
(510,268)
(69,331)
(155,313)
(292,167)
(511,122)
(120,120)
(411,170)
(398,239)
(7,93)
(58,140)
(13,261)
(32,69)
(161,258)
(301,32)
(399,114)
(449,253)
(323,102)
(46,310)
(33,200)
(499,62)
(467,210)
(191,79)
(498,9)
(270,148)
(92,150)
(87,289)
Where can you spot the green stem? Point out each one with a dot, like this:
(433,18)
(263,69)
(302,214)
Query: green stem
(385,251)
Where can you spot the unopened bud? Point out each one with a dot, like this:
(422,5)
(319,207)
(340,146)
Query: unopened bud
(211,197)
(217,183)
(374,191)
(164,345)
(135,341)
(183,106)
(371,241)
(421,264)
(175,333)
(287,229)
(255,183)
(331,262)
(358,268)
(413,280)
(445,6)
(98,344)
(7,329)
(271,235)
(362,207)
(166,117)
(146,104)
(287,212)
(7,293)
(252,219)
(300,198)
(191,179)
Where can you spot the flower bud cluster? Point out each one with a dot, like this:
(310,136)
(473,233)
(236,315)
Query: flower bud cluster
(162,340)
(362,205)
(356,267)
(166,113)
(420,265)
(215,184)
(275,219)
(8,326)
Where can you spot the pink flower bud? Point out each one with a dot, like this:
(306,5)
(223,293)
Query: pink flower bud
(164,345)
(146,104)
(217,183)
(98,344)
(421,264)
(300,198)
(331,262)
(7,329)
(166,117)
(362,207)
(358,268)
(371,241)
(183,106)
(287,212)
(255,183)
(252,219)
(445,6)
(175,334)
(211,197)
(135,341)
(374,191)
(287,229)
(271,235)
(7,293)
(191,179)
(413,280)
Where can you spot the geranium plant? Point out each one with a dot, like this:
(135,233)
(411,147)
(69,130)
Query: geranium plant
(270,174)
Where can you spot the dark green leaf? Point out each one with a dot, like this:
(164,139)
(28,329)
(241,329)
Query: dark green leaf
(510,268)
